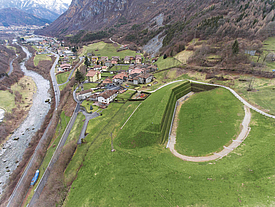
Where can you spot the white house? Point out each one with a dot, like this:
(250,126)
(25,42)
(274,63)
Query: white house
(107,96)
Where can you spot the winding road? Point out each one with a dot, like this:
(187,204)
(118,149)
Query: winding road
(72,71)
(11,68)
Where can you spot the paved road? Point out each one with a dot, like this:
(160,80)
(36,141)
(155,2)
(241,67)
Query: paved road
(54,81)
(72,71)
(88,117)
(11,68)
(54,158)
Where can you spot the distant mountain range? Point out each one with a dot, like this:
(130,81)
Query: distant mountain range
(16,17)
(46,9)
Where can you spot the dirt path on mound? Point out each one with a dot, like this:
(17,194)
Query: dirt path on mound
(244,133)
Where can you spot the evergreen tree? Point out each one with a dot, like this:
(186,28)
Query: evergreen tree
(87,62)
(235,47)
(79,77)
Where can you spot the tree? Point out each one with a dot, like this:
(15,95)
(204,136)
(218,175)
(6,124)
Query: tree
(79,77)
(74,50)
(164,56)
(235,47)
(87,62)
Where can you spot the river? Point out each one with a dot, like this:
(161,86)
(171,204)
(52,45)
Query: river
(13,150)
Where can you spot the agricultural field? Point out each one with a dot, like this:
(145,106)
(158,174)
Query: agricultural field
(41,57)
(208,121)
(105,49)
(145,173)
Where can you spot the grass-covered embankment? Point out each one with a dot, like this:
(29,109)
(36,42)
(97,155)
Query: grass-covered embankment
(207,121)
(152,176)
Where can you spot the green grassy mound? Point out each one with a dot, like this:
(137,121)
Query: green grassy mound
(151,122)
(207,121)
(152,176)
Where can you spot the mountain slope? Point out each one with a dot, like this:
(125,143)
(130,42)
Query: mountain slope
(16,17)
(48,9)
(137,20)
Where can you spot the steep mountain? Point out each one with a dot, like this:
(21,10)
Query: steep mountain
(174,20)
(16,17)
(47,9)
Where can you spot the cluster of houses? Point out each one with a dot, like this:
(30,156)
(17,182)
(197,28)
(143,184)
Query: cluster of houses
(101,99)
(104,60)
(136,74)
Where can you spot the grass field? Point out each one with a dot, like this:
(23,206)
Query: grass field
(106,74)
(87,105)
(169,62)
(62,77)
(104,49)
(207,122)
(152,176)
(99,129)
(262,95)
(122,67)
(126,95)
(184,55)
(87,86)
(76,129)
(39,58)
(7,100)
(26,87)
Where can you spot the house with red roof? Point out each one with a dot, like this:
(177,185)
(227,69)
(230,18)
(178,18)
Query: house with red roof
(93,76)
(120,78)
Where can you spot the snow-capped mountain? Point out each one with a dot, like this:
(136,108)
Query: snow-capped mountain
(48,9)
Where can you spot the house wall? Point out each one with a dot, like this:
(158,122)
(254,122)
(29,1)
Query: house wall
(84,96)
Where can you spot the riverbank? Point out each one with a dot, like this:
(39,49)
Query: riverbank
(16,103)
(13,150)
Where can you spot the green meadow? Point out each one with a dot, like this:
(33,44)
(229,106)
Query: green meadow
(41,57)
(106,49)
(142,172)
(208,121)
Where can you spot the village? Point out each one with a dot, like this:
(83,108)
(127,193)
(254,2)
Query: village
(106,79)
(110,84)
